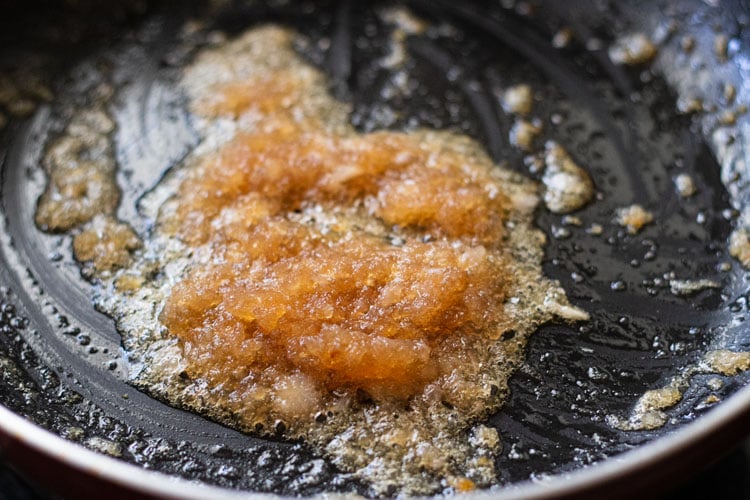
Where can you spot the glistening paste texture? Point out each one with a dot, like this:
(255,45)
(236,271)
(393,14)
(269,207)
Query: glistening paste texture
(370,294)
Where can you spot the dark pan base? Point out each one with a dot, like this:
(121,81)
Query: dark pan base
(62,366)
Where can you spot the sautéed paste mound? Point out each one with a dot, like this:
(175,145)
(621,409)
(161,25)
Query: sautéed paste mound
(369,294)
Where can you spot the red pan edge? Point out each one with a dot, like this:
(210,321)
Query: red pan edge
(69,469)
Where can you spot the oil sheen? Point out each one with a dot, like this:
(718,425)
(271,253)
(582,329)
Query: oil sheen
(370,294)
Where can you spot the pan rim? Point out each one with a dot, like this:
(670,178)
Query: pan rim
(567,484)
(564,484)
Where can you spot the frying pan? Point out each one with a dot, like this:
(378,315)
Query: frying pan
(68,418)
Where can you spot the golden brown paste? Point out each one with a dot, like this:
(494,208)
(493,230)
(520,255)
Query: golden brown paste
(402,180)
(370,294)
(347,308)
(82,195)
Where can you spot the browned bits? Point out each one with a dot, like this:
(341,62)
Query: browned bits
(633,49)
(105,243)
(568,187)
(79,186)
(726,362)
(82,194)
(721,45)
(633,218)
(739,246)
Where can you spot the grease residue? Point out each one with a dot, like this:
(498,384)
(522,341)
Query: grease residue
(412,431)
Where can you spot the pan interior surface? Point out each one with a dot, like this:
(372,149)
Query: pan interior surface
(62,362)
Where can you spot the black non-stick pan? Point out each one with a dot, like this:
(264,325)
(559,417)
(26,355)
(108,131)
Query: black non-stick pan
(69,420)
